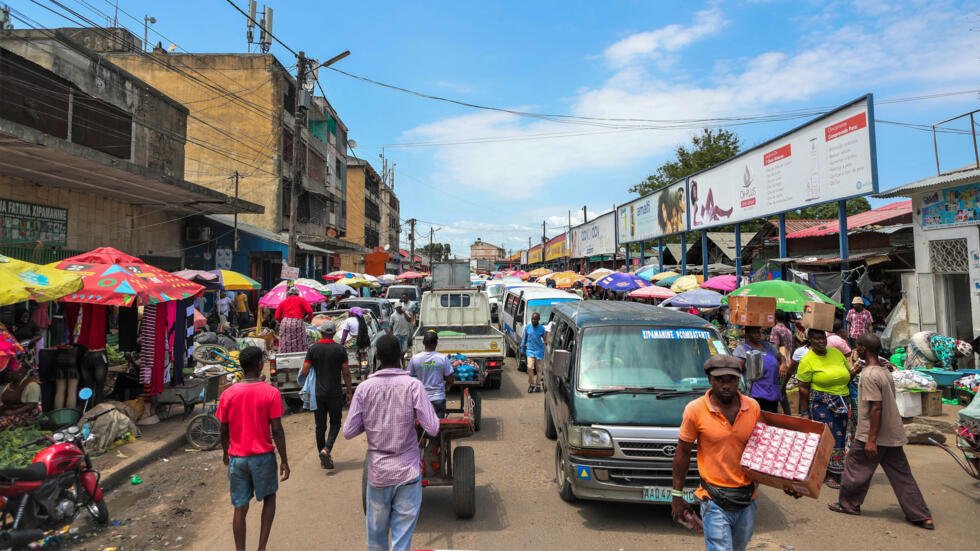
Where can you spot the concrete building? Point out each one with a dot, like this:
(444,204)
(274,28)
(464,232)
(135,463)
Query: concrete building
(391,232)
(240,130)
(92,156)
(942,290)
(481,250)
(364,221)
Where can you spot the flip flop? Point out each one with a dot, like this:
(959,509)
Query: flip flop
(832,484)
(926,524)
(835,507)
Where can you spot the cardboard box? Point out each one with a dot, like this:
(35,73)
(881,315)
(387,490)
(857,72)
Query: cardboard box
(811,486)
(819,315)
(752,311)
(932,403)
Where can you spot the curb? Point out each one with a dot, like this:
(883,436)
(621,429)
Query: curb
(121,473)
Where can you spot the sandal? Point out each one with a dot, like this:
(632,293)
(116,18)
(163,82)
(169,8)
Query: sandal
(832,483)
(926,524)
(836,507)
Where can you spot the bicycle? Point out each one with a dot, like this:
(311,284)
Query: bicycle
(204,429)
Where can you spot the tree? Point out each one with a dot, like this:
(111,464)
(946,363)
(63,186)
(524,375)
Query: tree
(437,251)
(707,149)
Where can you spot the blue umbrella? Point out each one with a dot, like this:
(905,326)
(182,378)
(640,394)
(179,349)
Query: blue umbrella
(698,298)
(619,281)
(646,272)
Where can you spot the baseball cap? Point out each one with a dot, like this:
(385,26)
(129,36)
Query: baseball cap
(723,364)
(327,328)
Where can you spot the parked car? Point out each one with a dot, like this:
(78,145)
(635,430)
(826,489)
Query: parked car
(617,377)
(520,303)
(380,307)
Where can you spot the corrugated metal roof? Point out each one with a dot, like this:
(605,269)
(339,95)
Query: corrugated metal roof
(726,242)
(928,184)
(675,250)
(891,212)
(799,224)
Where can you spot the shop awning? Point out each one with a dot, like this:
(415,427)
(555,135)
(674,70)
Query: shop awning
(263,233)
(869,257)
(49,161)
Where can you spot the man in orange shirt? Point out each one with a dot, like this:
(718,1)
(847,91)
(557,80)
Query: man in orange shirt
(720,422)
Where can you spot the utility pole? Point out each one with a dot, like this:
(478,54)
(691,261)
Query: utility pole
(297,179)
(432,234)
(411,241)
(234,247)
(585,214)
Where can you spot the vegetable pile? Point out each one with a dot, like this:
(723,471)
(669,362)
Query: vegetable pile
(12,455)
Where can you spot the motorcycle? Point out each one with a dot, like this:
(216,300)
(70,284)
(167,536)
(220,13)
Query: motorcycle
(52,491)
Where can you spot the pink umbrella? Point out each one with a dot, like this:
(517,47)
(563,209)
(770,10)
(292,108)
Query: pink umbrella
(722,283)
(412,275)
(652,292)
(273,298)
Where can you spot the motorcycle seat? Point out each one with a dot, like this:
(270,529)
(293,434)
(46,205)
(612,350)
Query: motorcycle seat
(34,473)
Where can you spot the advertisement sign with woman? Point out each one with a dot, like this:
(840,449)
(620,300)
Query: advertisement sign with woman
(661,213)
(826,160)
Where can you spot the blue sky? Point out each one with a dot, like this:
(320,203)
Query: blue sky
(617,59)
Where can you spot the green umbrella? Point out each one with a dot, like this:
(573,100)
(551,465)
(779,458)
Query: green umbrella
(789,296)
(668,281)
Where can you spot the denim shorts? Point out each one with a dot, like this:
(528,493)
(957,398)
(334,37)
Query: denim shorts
(252,474)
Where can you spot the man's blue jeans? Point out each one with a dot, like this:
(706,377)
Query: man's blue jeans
(727,530)
(394,509)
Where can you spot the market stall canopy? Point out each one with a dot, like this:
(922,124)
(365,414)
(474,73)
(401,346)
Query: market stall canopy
(273,298)
(234,281)
(412,275)
(686,283)
(211,281)
(790,297)
(619,281)
(338,289)
(666,281)
(566,280)
(539,272)
(722,283)
(647,272)
(698,298)
(652,292)
(334,276)
(113,278)
(20,281)
(388,279)
(312,284)
(663,275)
(596,275)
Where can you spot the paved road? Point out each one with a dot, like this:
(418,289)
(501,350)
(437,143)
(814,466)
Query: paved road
(517,503)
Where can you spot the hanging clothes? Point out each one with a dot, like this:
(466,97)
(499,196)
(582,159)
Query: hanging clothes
(87,324)
(153,334)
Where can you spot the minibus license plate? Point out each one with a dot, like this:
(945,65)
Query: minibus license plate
(660,494)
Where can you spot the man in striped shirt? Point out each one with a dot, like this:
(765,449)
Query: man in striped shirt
(385,407)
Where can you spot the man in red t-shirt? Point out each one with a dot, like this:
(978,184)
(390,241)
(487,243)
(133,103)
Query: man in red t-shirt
(251,419)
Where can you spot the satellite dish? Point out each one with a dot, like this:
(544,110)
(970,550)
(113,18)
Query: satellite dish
(352,144)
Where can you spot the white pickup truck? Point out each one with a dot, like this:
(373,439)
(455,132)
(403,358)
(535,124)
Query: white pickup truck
(461,317)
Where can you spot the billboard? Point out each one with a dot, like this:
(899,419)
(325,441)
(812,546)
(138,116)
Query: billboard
(524,257)
(951,207)
(556,247)
(826,160)
(30,223)
(663,212)
(534,255)
(594,238)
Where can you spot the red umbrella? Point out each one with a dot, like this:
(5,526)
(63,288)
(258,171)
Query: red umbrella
(113,278)
(652,292)
(412,275)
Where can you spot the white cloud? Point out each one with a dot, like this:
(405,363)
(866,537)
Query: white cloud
(671,38)
(913,47)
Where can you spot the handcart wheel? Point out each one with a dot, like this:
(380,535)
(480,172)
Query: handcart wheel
(204,432)
(209,353)
(464,482)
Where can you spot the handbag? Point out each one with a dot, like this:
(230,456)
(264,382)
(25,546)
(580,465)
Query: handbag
(730,499)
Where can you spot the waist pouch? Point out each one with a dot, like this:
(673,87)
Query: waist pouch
(730,499)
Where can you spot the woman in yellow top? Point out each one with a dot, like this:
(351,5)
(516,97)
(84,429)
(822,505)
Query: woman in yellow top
(824,396)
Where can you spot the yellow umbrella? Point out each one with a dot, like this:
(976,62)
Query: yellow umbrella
(234,281)
(539,272)
(663,275)
(685,283)
(357,282)
(565,280)
(21,280)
